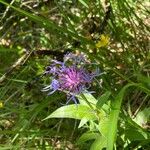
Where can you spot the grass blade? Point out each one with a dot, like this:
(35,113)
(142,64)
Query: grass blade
(114,114)
(49,25)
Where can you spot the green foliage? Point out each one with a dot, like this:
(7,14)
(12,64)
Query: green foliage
(102,99)
(73,111)
(116,116)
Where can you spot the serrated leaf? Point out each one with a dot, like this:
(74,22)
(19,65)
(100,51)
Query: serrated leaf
(74,111)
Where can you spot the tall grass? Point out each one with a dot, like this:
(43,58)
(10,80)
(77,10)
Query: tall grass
(59,27)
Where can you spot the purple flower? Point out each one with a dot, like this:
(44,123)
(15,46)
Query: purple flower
(70,76)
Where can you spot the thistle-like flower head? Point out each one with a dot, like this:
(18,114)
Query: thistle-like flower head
(70,76)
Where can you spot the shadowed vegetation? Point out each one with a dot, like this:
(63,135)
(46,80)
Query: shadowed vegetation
(114,34)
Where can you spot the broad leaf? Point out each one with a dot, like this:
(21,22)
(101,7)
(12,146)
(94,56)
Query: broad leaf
(74,111)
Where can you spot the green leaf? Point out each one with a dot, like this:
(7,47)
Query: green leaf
(114,114)
(74,111)
(143,117)
(84,2)
(134,135)
(102,99)
(99,143)
(87,136)
(89,97)
(144,79)
(82,122)
(103,126)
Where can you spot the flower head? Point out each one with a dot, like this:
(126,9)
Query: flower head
(70,76)
(1,104)
(104,40)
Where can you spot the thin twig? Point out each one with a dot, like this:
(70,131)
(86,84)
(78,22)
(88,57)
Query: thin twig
(7,9)
(19,62)
(138,109)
